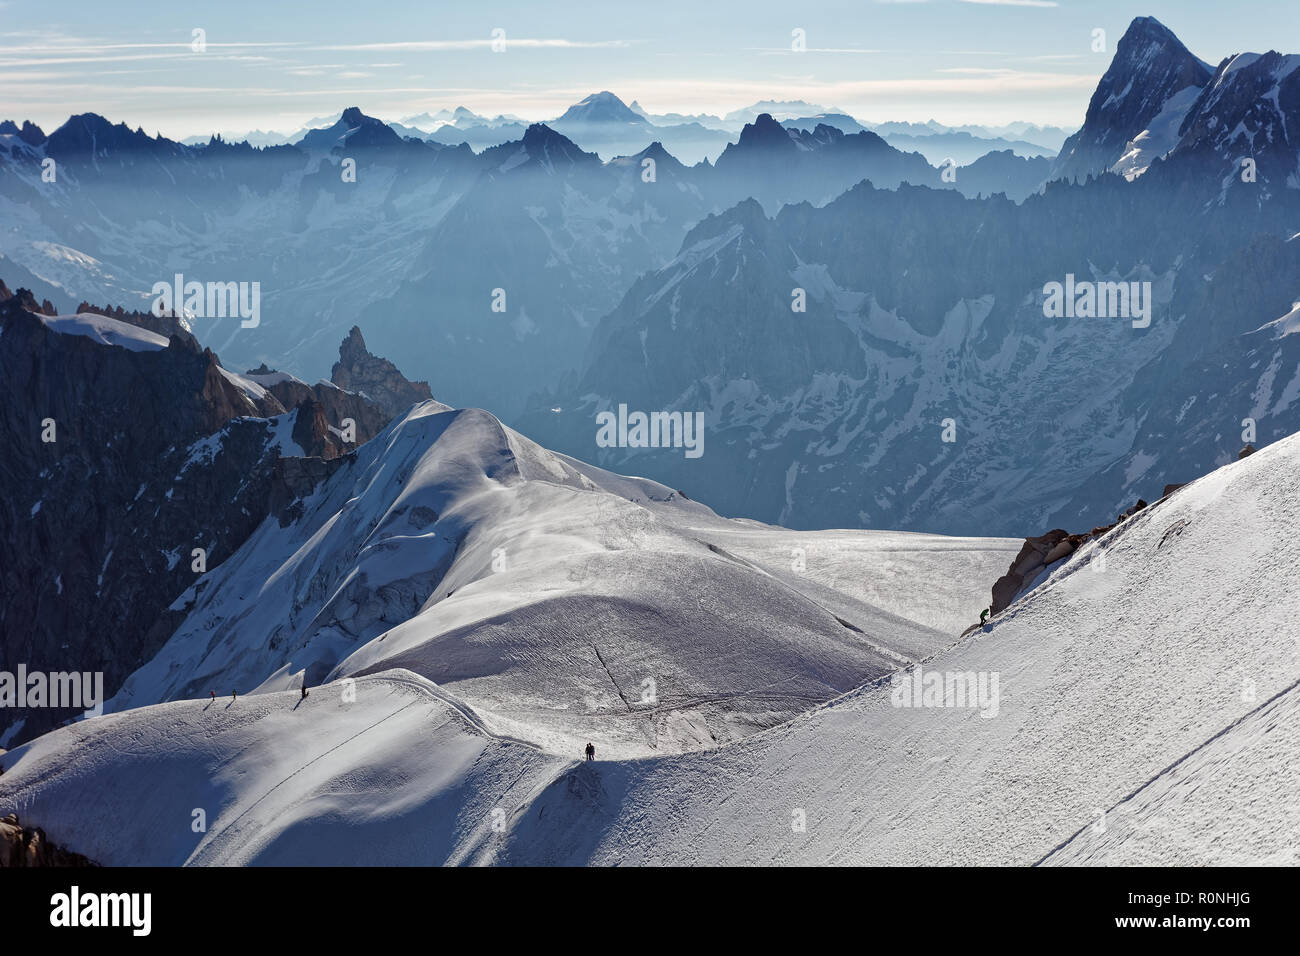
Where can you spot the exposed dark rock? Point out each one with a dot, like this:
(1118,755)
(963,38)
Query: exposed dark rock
(1150,66)
(323,413)
(1039,553)
(156,453)
(377,378)
(1034,555)
(27,846)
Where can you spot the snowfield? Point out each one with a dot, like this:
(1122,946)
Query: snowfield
(401,775)
(106,331)
(564,603)
(470,609)
(1139,690)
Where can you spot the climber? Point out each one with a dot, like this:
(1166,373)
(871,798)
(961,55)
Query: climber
(591,752)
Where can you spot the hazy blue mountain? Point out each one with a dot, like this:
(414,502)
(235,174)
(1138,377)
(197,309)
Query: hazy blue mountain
(923,306)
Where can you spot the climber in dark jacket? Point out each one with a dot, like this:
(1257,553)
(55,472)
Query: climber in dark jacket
(591,752)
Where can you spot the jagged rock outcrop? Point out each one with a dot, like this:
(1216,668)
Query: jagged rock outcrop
(27,301)
(357,370)
(1034,555)
(1037,555)
(323,411)
(119,464)
(1151,65)
(28,846)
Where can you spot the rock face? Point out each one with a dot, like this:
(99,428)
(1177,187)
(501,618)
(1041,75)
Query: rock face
(323,410)
(25,298)
(118,465)
(377,378)
(1035,554)
(1150,66)
(27,846)
(1039,554)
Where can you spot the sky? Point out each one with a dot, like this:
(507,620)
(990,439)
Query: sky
(274,65)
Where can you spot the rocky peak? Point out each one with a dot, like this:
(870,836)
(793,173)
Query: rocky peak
(1250,107)
(30,133)
(358,370)
(603,107)
(1150,66)
(765,133)
(554,151)
(25,301)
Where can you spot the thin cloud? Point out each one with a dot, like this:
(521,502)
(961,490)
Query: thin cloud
(781,51)
(1014,3)
(531,43)
(135,57)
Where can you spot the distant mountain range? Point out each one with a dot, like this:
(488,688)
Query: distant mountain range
(535,279)
(408,246)
(604,124)
(924,311)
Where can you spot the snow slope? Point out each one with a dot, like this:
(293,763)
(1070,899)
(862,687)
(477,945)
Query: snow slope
(106,331)
(1152,676)
(399,775)
(1229,778)
(564,603)
(1150,683)
(1158,138)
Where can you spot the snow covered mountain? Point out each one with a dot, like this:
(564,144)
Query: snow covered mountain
(1152,77)
(533,277)
(129,447)
(554,598)
(600,122)
(569,234)
(1057,756)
